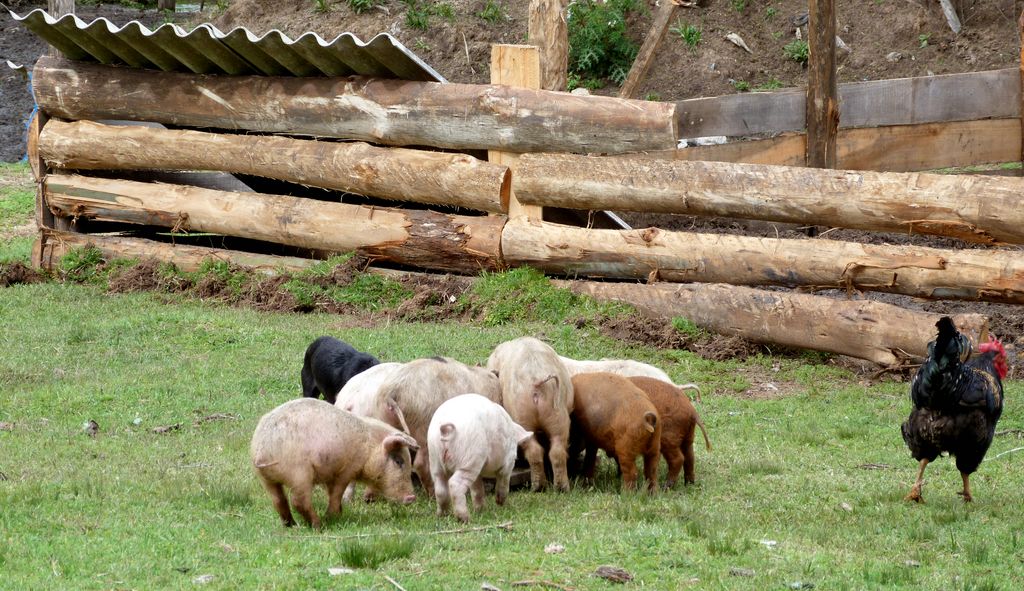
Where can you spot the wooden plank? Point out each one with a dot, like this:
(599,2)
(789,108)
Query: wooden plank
(547,30)
(515,65)
(899,148)
(389,112)
(651,42)
(822,90)
(905,148)
(901,101)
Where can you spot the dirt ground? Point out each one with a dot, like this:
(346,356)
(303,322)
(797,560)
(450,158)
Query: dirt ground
(887,39)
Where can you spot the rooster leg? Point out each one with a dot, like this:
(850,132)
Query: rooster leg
(915,491)
(966,494)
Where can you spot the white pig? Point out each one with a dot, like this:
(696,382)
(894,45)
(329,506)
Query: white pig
(624,367)
(471,438)
(307,441)
(536,391)
(359,393)
(408,398)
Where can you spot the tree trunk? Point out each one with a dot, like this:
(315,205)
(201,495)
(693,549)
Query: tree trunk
(882,333)
(166,5)
(822,87)
(53,245)
(392,112)
(972,208)
(356,167)
(991,275)
(548,31)
(425,239)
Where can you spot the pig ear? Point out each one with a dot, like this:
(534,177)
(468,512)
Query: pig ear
(395,441)
(523,436)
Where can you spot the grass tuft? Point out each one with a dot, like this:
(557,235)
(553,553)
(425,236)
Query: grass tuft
(377,552)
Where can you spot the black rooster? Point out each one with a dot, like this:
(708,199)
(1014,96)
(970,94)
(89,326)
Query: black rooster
(957,401)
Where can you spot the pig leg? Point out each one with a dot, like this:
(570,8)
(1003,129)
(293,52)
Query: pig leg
(280,501)
(335,490)
(688,461)
(302,500)
(651,470)
(422,467)
(441,493)
(459,485)
(477,490)
(534,453)
(589,463)
(674,459)
(501,486)
(629,472)
(559,455)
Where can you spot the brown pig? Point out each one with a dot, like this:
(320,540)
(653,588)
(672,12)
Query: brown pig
(408,398)
(307,441)
(537,392)
(615,416)
(678,420)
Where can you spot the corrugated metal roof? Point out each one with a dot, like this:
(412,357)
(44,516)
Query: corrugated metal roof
(207,50)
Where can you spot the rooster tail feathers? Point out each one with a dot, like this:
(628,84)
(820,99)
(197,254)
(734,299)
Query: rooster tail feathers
(949,348)
(945,356)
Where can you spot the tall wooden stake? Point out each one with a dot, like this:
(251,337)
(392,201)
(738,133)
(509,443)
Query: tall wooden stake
(515,65)
(1020,25)
(646,54)
(549,32)
(822,89)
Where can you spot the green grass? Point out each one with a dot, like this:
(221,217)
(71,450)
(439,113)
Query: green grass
(17,203)
(130,508)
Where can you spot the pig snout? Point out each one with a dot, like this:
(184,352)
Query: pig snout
(410,498)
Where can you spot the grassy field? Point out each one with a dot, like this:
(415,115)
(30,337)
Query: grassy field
(801,489)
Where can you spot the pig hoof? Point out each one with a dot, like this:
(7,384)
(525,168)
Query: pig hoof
(463,517)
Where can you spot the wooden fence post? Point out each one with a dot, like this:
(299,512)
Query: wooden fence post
(548,30)
(515,65)
(822,89)
(651,42)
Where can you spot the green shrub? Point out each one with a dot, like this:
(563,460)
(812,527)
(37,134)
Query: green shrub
(690,34)
(599,47)
(361,6)
(797,50)
(492,12)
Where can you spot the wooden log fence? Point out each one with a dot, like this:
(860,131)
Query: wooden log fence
(356,167)
(972,208)
(391,112)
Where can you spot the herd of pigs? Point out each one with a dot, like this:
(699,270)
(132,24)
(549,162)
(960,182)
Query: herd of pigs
(456,424)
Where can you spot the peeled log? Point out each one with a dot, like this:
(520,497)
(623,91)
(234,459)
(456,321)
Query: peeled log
(356,167)
(991,275)
(392,112)
(973,208)
(53,245)
(425,239)
(878,332)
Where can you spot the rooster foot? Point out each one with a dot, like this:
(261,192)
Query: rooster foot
(914,495)
(967,496)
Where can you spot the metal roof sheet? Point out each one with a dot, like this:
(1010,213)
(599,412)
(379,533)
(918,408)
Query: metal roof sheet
(207,50)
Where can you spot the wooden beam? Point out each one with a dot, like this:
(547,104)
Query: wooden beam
(424,239)
(822,86)
(548,31)
(390,112)
(651,42)
(985,210)
(902,101)
(515,65)
(355,167)
(898,148)
(990,275)
(878,332)
(55,244)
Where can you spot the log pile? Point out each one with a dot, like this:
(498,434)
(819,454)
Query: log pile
(406,142)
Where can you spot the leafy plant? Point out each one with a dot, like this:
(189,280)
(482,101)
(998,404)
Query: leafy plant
(652,96)
(322,5)
(772,84)
(445,10)
(492,12)
(599,47)
(923,40)
(741,85)
(689,33)
(770,12)
(361,6)
(739,5)
(797,50)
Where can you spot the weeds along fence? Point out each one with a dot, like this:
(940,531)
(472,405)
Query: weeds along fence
(407,160)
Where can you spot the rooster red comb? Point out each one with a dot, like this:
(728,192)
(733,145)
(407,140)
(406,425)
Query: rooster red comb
(1000,361)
